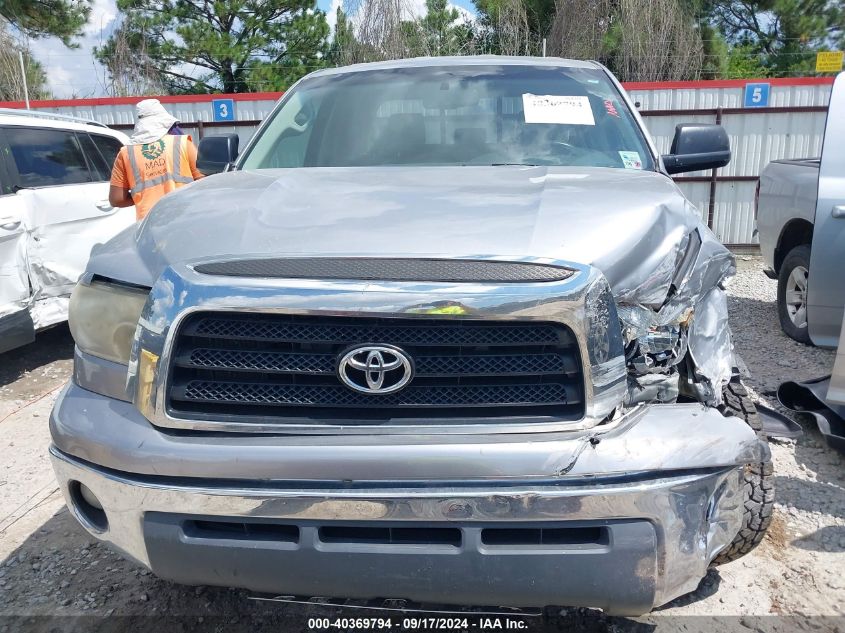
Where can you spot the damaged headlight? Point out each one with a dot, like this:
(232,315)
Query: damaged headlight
(659,348)
(607,357)
(605,335)
(103,317)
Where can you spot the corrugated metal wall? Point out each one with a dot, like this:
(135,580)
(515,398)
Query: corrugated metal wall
(248,109)
(757,135)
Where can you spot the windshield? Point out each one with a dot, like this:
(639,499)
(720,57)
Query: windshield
(447,115)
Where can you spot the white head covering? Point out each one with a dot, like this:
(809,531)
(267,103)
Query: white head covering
(152,122)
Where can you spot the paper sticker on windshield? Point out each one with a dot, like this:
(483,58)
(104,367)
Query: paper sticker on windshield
(631,160)
(562,110)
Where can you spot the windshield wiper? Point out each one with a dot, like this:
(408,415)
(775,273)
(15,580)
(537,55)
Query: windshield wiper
(514,165)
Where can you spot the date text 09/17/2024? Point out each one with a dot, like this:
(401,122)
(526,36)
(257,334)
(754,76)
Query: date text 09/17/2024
(480,623)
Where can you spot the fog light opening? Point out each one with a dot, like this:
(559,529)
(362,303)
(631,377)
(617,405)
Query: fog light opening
(88,508)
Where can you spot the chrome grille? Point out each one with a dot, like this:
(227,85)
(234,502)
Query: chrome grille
(283,367)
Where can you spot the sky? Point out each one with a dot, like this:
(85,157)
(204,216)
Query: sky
(75,72)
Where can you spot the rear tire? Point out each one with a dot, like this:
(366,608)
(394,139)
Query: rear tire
(792,294)
(758,480)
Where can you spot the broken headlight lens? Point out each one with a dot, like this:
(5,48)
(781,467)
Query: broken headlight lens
(606,352)
(603,330)
(103,317)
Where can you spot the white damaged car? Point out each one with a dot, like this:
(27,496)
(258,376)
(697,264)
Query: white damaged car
(54,207)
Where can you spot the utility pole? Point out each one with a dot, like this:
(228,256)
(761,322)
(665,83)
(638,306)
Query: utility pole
(544,47)
(23,76)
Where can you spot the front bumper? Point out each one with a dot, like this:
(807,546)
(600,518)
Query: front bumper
(615,523)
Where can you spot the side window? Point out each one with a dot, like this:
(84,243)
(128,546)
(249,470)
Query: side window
(108,146)
(46,157)
(95,159)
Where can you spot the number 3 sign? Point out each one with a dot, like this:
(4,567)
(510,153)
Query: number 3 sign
(223,109)
(756,95)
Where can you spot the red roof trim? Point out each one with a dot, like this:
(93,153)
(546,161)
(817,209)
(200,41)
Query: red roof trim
(107,101)
(726,83)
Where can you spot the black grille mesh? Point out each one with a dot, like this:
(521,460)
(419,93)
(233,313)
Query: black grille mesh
(283,368)
(268,330)
(435,396)
(425,365)
(389,269)
(261,361)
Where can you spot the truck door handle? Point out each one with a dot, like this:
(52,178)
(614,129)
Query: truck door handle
(104,205)
(838,211)
(9,224)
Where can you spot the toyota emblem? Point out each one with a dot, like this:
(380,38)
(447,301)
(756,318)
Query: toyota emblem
(375,369)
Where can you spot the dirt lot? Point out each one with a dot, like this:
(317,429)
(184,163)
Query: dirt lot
(49,566)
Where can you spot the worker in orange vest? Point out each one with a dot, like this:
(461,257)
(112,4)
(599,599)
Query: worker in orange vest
(159,159)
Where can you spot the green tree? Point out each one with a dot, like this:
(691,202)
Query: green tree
(304,51)
(743,62)
(715,48)
(782,36)
(44,18)
(515,25)
(343,43)
(503,27)
(639,40)
(437,28)
(715,51)
(228,45)
(440,31)
(11,83)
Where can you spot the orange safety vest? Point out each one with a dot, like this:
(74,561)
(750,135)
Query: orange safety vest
(156,169)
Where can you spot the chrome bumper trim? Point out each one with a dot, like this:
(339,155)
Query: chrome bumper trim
(695,515)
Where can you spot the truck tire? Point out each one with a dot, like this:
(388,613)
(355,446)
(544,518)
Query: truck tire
(792,294)
(758,480)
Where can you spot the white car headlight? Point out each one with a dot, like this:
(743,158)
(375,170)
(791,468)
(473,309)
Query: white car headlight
(103,317)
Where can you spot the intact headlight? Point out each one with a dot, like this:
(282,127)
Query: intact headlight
(103,317)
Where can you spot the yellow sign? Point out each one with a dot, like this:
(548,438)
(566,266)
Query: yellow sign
(829,61)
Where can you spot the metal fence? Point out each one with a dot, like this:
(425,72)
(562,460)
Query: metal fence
(791,125)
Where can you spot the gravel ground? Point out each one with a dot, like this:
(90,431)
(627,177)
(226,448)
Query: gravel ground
(49,566)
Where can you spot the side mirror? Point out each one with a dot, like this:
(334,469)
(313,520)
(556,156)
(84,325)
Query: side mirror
(215,152)
(698,146)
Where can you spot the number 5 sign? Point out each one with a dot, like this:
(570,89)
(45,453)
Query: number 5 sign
(756,95)
(223,109)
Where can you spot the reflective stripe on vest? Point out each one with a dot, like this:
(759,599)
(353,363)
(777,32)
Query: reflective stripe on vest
(176,175)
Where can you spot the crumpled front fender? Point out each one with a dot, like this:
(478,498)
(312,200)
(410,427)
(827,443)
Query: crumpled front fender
(685,290)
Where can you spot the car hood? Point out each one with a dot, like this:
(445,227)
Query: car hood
(629,224)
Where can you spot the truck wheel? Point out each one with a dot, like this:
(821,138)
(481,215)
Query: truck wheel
(792,294)
(758,480)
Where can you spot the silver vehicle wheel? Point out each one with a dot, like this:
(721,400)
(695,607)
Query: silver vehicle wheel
(792,294)
(796,296)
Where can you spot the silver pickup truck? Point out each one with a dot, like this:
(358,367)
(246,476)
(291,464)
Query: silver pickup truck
(786,210)
(445,331)
(800,212)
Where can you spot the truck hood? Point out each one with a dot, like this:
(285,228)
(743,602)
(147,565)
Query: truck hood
(629,224)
